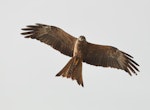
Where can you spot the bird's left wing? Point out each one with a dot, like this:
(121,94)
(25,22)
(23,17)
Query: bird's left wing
(53,36)
(108,56)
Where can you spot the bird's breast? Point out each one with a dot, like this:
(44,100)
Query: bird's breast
(79,49)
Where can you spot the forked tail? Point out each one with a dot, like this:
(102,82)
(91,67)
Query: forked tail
(73,70)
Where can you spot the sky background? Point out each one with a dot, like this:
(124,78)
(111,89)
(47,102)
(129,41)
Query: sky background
(28,67)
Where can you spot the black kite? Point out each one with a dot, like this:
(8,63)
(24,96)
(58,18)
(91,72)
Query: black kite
(81,51)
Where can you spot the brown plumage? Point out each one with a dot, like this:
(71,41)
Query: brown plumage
(81,51)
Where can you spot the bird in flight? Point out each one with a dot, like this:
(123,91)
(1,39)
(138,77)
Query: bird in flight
(80,51)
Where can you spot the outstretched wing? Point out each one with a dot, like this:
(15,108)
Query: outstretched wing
(108,56)
(51,35)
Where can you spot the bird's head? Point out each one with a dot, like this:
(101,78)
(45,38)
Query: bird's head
(82,38)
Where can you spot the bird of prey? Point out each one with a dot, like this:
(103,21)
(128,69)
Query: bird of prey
(81,51)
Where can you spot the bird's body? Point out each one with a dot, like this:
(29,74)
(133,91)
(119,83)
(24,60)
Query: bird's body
(80,47)
(73,68)
(81,51)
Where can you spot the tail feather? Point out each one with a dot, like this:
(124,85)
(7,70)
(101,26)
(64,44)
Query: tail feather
(73,70)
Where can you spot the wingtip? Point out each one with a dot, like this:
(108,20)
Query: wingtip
(57,75)
(40,24)
(133,72)
(129,73)
(127,54)
(81,84)
(23,29)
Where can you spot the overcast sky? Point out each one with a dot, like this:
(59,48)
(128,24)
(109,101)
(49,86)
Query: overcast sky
(28,67)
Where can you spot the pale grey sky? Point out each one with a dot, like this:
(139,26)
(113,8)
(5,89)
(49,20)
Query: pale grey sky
(28,67)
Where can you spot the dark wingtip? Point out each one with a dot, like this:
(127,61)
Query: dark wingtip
(132,66)
(127,54)
(40,24)
(129,73)
(26,33)
(81,84)
(24,29)
(27,37)
(57,74)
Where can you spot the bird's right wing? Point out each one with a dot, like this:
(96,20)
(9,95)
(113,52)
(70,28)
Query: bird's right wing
(53,36)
